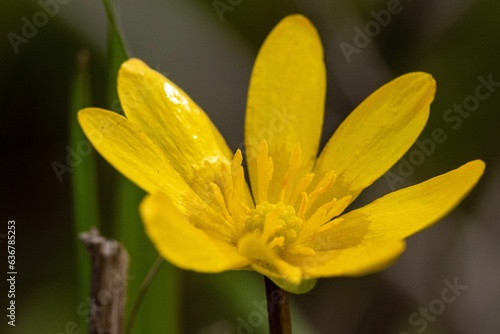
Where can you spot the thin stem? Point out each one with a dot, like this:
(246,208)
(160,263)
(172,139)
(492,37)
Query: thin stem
(142,292)
(278,309)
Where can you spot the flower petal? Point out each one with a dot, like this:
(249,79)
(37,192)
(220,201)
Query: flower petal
(286,98)
(270,264)
(355,261)
(376,134)
(401,213)
(127,148)
(170,118)
(304,286)
(181,243)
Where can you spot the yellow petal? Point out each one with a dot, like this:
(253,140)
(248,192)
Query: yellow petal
(127,148)
(181,243)
(376,134)
(305,285)
(268,262)
(170,118)
(403,212)
(356,261)
(286,98)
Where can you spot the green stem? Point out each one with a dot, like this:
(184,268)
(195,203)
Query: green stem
(142,291)
(278,309)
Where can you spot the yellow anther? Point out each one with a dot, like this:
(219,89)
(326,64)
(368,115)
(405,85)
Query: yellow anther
(324,185)
(275,221)
(291,175)
(265,169)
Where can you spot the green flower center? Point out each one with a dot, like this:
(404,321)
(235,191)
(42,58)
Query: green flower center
(275,223)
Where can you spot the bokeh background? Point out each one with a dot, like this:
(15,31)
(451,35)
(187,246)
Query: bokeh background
(208,48)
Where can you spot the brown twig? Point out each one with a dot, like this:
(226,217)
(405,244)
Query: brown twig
(278,309)
(109,262)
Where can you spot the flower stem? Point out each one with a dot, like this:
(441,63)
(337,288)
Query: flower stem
(144,286)
(278,309)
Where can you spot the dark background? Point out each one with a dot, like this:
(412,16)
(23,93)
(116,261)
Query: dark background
(210,55)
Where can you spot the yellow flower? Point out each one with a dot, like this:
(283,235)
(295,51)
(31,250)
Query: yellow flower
(199,211)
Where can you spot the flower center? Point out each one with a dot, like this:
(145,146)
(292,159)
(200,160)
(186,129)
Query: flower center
(303,206)
(277,224)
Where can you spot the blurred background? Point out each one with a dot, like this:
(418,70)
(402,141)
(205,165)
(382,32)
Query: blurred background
(208,48)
